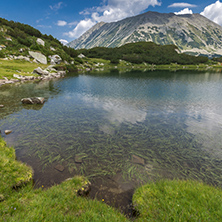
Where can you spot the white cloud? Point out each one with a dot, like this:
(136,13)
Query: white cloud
(61,23)
(56,7)
(63,41)
(184,11)
(81,28)
(182,5)
(116,10)
(214,12)
(112,10)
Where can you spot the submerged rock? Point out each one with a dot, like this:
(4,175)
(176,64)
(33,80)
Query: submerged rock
(60,168)
(79,157)
(33,100)
(8,132)
(138,160)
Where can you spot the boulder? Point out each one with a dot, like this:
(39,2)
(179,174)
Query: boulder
(40,42)
(1,106)
(39,57)
(40,71)
(33,100)
(81,56)
(55,59)
(52,49)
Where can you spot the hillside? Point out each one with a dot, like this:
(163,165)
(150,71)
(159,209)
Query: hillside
(17,39)
(192,34)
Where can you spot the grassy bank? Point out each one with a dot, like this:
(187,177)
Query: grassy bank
(97,65)
(19,67)
(173,200)
(10,67)
(161,201)
(20,202)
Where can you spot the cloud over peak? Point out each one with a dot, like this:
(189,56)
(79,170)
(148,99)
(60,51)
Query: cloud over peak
(182,5)
(184,12)
(214,12)
(110,11)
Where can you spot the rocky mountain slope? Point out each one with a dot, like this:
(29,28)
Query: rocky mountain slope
(17,40)
(193,34)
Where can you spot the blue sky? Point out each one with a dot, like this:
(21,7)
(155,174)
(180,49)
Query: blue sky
(68,19)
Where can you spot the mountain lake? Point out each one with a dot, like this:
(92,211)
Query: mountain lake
(119,130)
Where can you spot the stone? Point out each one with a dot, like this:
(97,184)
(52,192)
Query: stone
(55,59)
(138,160)
(60,168)
(33,100)
(38,57)
(79,157)
(9,39)
(8,132)
(2,106)
(52,49)
(40,42)
(40,71)
(2,46)
(81,56)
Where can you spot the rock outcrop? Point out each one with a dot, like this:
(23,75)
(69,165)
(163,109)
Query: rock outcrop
(38,57)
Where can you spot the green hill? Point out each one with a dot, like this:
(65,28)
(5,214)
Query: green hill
(17,39)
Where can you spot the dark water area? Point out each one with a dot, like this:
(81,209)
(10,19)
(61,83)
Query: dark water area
(93,125)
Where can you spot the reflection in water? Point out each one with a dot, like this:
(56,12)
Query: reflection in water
(171,120)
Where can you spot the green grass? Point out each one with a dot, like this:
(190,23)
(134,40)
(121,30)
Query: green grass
(166,200)
(12,173)
(173,200)
(20,67)
(59,203)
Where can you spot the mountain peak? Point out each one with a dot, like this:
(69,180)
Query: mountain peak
(191,33)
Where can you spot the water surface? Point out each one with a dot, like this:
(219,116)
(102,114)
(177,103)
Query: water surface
(172,120)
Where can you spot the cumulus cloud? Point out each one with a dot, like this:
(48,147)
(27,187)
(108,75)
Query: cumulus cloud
(81,28)
(61,23)
(110,11)
(182,5)
(184,11)
(63,41)
(214,12)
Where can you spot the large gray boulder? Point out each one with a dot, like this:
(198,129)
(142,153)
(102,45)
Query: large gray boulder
(40,42)
(38,57)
